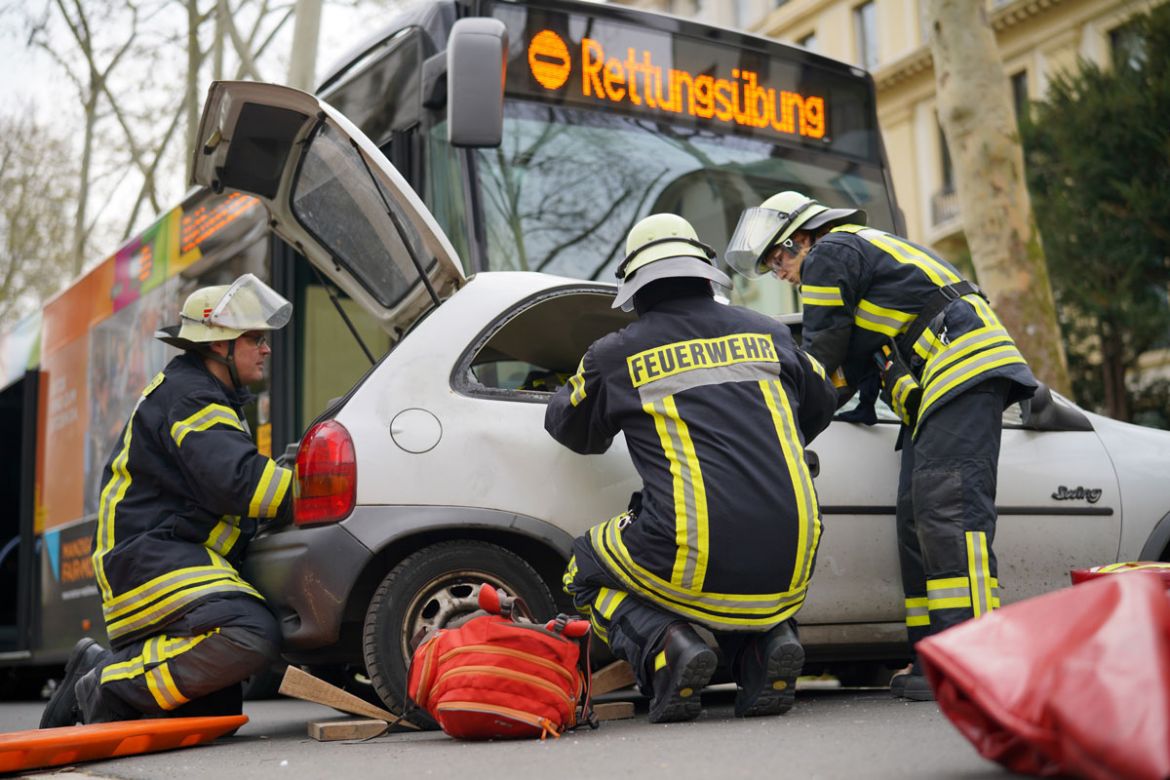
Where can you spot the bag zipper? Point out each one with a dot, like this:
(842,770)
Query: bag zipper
(511,653)
(508,673)
(545,725)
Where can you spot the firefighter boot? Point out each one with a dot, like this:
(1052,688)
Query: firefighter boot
(767,672)
(917,688)
(681,669)
(62,709)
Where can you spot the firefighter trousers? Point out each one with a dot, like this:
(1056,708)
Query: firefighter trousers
(946,511)
(195,667)
(632,627)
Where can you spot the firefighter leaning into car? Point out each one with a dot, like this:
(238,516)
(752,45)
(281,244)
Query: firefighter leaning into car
(716,404)
(181,497)
(878,307)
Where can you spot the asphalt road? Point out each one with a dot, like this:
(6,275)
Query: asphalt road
(830,734)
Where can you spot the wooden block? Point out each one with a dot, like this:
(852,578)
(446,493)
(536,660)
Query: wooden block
(614,710)
(333,730)
(302,685)
(613,677)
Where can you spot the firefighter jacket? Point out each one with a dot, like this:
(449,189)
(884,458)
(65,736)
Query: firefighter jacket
(716,403)
(862,288)
(180,499)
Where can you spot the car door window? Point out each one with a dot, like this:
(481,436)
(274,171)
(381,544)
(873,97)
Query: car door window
(532,350)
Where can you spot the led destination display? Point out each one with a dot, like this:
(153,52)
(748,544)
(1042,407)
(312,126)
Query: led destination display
(609,65)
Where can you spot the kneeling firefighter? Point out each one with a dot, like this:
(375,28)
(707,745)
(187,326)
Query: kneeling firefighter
(878,307)
(182,495)
(716,403)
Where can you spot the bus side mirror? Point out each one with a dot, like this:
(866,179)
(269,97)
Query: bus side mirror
(477,55)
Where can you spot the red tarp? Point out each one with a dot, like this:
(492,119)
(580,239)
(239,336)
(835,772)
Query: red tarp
(1075,682)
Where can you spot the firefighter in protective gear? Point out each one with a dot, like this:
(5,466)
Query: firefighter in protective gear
(183,492)
(717,404)
(879,307)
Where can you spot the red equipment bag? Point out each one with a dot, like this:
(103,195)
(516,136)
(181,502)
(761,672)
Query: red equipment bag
(498,676)
(1084,575)
(1075,682)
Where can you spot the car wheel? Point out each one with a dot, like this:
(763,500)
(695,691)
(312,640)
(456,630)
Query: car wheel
(437,587)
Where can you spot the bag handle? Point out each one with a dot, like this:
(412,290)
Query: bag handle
(497,602)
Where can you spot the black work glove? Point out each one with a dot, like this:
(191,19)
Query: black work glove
(864,412)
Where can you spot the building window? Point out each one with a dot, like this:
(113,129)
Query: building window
(809,42)
(865,32)
(1020,94)
(1127,46)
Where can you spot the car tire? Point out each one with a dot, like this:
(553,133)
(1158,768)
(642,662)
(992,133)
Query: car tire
(437,587)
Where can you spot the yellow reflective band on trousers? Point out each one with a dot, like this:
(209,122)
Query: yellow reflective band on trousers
(660,660)
(577,381)
(949,593)
(719,611)
(811,295)
(808,517)
(607,602)
(979,568)
(154,651)
(208,416)
(157,600)
(162,687)
(917,612)
(690,497)
(967,369)
(904,253)
(888,322)
(270,492)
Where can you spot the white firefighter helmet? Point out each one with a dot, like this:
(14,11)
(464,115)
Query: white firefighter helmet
(227,311)
(773,222)
(662,246)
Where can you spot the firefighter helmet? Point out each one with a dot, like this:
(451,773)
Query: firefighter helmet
(773,222)
(663,246)
(227,311)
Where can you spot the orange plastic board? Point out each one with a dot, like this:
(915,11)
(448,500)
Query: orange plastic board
(21,750)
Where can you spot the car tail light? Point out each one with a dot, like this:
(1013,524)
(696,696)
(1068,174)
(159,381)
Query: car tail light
(326,475)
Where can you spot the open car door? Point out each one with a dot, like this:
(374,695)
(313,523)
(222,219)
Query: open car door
(331,194)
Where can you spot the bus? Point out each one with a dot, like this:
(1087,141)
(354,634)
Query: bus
(606,114)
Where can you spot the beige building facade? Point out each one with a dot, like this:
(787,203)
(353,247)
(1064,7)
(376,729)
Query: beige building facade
(1037,39)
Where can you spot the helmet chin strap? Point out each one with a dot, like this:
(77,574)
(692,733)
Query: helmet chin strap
(229,361)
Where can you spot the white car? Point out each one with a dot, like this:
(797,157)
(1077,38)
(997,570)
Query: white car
(434,473)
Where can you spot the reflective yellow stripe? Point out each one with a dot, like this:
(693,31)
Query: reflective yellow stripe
(961,347)
(904,253)
(811,295)
(948,593)
(577,381)
(817,367)
(208,416)
(927,345)
(271,491)
(917,611)
(569,575)
(660,660)
(607,602)
(708,608)
(888,322)
(808,522)
(973,366)
(224,535)
(979,570)
(163,584)
(690,497)
(162,687)
(161,648)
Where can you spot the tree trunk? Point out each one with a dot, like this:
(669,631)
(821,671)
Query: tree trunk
(194,60)
(302,66)
(1113,370)
(80,224)
(975,110)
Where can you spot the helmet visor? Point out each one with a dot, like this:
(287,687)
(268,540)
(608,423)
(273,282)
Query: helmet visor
(249,304)
(753,236)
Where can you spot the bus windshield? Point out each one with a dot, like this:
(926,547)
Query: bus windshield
(566,185)
(607,121)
